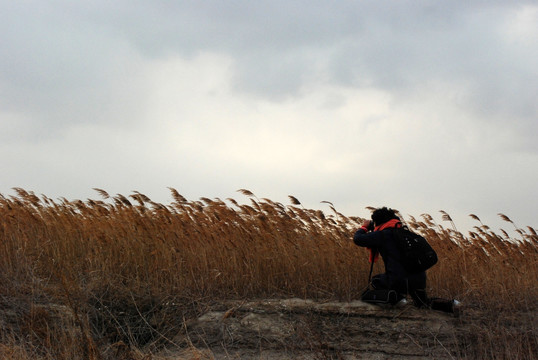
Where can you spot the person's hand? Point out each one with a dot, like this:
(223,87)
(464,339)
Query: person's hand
(368,225)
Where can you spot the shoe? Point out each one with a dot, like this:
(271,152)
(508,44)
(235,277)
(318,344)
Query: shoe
(397,298)
(456,308)
(401,303)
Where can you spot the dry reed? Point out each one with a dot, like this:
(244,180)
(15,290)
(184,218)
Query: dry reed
(115,262)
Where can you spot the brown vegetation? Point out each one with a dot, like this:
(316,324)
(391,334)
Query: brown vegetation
(127,272)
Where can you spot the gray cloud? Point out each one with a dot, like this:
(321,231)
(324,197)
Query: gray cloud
(396,46)
(457,81)
(277,45)
(58,72)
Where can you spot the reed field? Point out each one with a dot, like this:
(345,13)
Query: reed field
(125,269)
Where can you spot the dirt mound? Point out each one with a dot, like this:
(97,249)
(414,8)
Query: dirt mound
(304,329)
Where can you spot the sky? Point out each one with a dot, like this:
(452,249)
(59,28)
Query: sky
(420,106)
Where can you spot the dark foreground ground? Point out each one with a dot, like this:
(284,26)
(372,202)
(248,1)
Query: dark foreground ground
(304,329)
(269,329)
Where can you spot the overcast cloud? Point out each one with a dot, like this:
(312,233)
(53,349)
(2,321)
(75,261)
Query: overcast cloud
(416,105)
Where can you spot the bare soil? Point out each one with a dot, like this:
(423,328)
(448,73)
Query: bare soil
(304,329)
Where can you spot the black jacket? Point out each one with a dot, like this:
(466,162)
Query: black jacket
(384,242)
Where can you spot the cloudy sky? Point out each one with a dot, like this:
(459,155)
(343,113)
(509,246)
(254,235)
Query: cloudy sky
(418,105)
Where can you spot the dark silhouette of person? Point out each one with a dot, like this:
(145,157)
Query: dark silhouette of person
(378,236)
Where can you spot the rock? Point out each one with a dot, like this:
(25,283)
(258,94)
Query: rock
(298,328)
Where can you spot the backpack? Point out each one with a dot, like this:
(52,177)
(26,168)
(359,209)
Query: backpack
(417,254)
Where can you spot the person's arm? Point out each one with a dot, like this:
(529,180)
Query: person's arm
(372,240)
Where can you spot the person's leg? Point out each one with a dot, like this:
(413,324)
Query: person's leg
(417,289)
(380,282)
(384,282)
(444,305)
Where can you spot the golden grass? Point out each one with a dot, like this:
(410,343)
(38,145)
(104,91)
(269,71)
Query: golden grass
(129,254)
